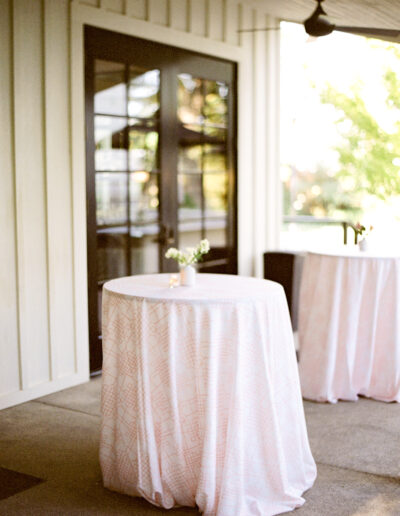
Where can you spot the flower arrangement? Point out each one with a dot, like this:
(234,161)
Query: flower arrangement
(190,255)
(362,230)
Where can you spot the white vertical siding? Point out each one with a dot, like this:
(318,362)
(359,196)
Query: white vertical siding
(215,16)
(9,353)
(31,192)
(245,145)
(231,22)
(137,9)
(58,188)
(158,12)
(197,17)
(260,117)
(43,278)
(38,342)
(114,6)
(178,14)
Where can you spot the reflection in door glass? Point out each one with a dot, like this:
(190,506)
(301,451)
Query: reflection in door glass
(190,99)
(189,196)
(111,253)
(143,146)
(215,187)
(190,158)
(110,88)
(143,92)
(126,129)
(202,160)
(215,103)
(144,250)
(109,136)
(111,198)
(144,199)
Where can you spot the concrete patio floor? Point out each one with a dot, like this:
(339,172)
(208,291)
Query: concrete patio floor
(56,438)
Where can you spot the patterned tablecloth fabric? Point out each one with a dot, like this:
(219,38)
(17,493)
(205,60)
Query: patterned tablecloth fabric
(201,401)
(349,327)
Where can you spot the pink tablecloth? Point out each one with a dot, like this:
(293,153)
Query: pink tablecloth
(349,327)
(201,402)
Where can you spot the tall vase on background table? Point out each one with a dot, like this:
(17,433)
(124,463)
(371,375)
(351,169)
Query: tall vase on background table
(363,232)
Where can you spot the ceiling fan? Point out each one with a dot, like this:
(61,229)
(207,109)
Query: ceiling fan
(319,25)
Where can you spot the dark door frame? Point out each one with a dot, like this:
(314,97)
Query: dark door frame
(108,45)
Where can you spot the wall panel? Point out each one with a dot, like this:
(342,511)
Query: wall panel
(231,22)
(178,14)
(260,117)
(114,6)
(215,19)
(9,353)
(198,17)
(246,150)
(31,192)
(158,12)
(137,9)
(58,188)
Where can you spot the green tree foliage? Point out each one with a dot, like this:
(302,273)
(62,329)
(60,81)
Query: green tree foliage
(369,153)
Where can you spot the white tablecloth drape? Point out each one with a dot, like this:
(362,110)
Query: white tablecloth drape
(201,402)
(349,327)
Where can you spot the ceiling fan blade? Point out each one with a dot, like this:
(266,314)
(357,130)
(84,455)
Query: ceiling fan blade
(390,33)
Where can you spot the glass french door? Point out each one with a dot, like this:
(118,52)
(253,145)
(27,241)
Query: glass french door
(161,154)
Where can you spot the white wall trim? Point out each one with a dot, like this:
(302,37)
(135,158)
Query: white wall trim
(78,142)
(10,399)
(123,24)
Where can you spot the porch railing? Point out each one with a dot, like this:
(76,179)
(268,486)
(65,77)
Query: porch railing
(309,219)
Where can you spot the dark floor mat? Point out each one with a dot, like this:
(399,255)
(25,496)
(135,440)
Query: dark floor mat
(12,482)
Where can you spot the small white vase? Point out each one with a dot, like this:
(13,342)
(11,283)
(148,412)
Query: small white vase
(188,276)
(363,245)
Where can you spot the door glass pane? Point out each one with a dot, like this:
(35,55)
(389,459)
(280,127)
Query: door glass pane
(144,251)
(143,147)
(109,135)
(215,103)
(190,159)
(202,162)
(111,198)
(214,158)
(143,92)
(190,99)
(111,253)
(216,232)
(190,233)
(214,134)
(109,87)
(190,134)
(215,194)
(144,197)
(189,196)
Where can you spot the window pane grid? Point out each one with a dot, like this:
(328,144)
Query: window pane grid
(202,159)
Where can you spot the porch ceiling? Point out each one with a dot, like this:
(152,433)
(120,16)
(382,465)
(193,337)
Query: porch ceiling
(362,13)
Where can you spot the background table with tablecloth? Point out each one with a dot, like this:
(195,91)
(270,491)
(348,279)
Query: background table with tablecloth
(349,326)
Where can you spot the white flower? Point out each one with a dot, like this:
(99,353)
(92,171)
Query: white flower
(204,246)
(172,253)
(190,255)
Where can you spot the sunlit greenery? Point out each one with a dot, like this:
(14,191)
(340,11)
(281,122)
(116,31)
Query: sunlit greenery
(370,153)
